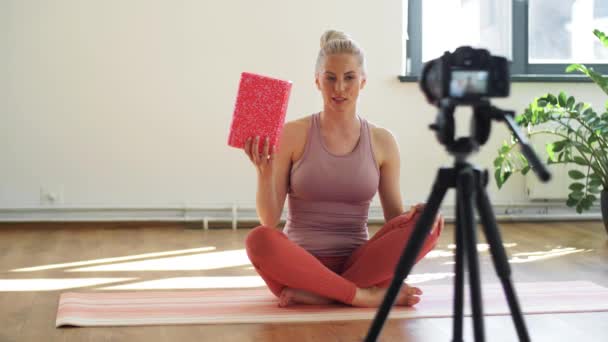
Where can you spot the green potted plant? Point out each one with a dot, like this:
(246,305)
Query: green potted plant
(580,137)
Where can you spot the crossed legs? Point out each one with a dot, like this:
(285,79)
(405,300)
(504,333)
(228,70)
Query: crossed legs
(295,275)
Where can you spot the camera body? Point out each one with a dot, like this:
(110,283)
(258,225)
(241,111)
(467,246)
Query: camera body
(465,76)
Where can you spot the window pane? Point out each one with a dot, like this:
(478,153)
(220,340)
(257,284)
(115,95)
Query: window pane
(561,31)
(448,24)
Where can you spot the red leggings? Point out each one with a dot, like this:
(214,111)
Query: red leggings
(282,263)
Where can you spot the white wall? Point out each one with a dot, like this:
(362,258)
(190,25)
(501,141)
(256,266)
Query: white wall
(128,102)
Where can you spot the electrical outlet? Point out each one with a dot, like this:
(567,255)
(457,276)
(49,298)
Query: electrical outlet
(51,195)
(511,211)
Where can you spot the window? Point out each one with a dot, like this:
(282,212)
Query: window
(539,37)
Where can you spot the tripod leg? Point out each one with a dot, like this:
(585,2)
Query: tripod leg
(459,277)
(408,256)
(465,189)
(499,257)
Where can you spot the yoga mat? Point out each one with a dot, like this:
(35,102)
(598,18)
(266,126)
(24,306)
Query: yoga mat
(260,306)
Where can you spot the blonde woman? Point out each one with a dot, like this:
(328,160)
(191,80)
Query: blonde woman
(329,166)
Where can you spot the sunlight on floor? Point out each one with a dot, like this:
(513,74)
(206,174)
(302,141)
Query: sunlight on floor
(425,277)
(105,260)
(525,257)
(483,247)
(441,253)
(42,284)
(520,258)
(193,283)
(204,261)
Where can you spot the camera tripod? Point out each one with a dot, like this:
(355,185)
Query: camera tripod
(469,183)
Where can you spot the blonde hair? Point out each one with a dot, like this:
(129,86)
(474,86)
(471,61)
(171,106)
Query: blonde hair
(336,42)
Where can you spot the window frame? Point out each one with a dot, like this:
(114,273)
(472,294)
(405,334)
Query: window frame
(521,70)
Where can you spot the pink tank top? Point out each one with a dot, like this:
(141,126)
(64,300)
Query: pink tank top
(329,195)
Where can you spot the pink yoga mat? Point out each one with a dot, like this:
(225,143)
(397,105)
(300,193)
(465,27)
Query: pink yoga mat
(260,306)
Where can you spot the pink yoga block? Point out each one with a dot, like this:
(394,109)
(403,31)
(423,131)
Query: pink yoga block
(260,108)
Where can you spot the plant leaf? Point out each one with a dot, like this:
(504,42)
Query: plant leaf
(581,147)
(551,151)
(588,111)
(600,80)
(570,102)
(498,161)
(593,138)
(576,186)
(579,160)
(595,179)
(577,195)
(576,67)
(595,182)
(558,146)
(602,37)
(501,177)
(587,202)
(504,148)
(553,100)
(594,190)
(576,174)
(593,75)
(562,99)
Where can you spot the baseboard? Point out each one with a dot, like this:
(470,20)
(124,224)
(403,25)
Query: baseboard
(233,214)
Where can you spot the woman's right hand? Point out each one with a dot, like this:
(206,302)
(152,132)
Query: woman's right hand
(261,159)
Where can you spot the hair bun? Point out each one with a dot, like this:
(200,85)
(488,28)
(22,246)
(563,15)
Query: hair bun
(330,35)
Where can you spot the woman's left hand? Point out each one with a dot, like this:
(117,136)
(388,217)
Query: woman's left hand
(419,207)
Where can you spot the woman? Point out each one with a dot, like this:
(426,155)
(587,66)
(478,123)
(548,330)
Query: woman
(330,165)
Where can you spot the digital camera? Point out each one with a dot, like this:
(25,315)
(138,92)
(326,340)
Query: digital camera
(466,76)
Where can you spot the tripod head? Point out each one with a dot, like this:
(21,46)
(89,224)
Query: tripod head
(483,114)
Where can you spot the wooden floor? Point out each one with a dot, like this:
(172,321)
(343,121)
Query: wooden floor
(556,251)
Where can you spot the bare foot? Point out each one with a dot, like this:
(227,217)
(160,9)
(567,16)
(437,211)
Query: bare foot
(373,296)
(291,296)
